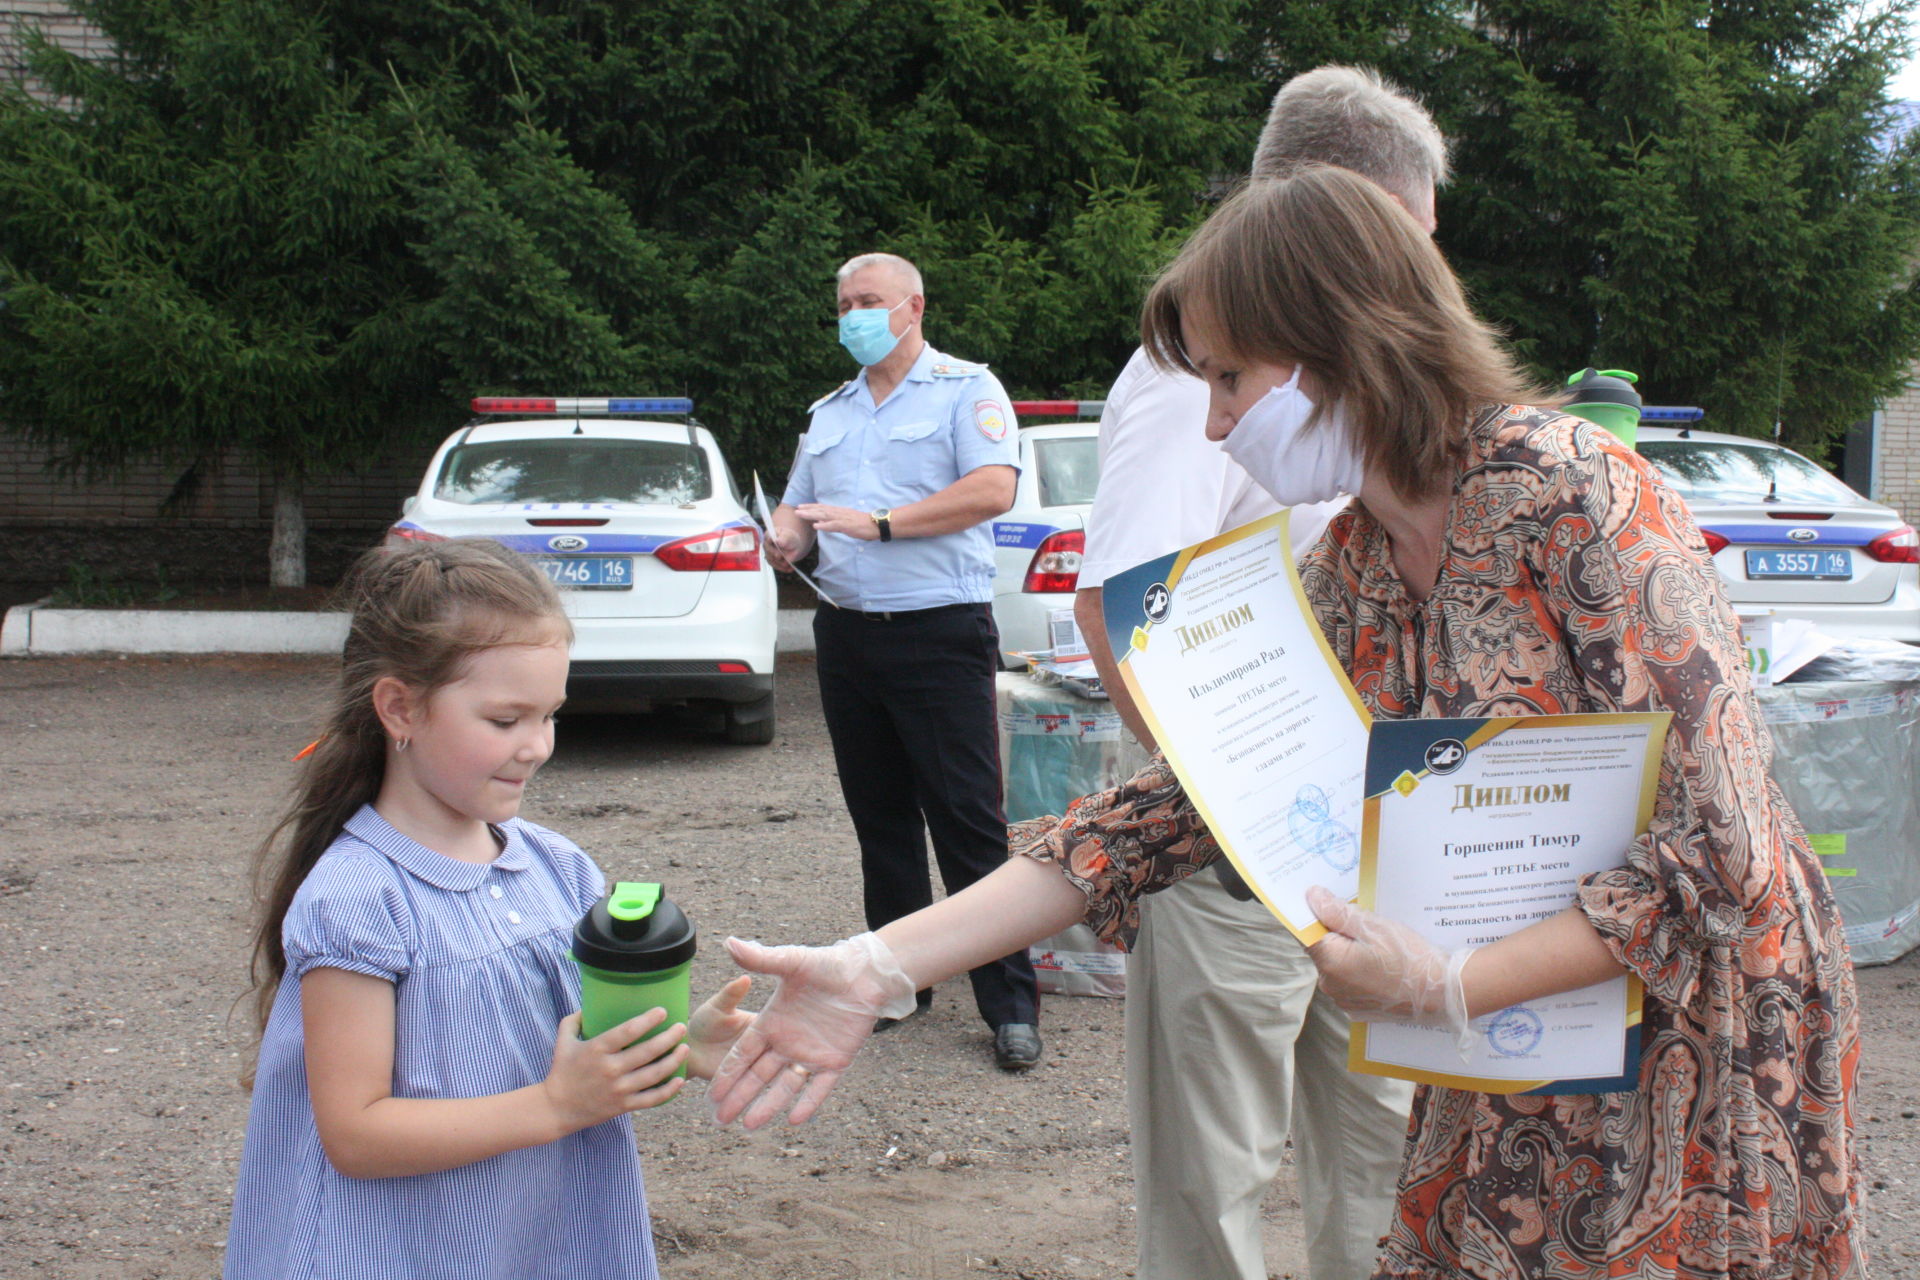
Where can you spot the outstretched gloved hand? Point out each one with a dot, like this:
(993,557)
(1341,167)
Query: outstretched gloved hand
(822,1011)
(1379,970)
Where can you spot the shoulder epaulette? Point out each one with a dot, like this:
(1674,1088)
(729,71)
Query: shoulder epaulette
(957,369)
(830,395)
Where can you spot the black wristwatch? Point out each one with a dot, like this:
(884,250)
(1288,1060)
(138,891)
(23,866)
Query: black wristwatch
(883,518)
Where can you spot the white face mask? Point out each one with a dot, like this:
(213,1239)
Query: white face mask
(1293,465)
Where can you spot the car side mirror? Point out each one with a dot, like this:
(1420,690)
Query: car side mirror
(407,506)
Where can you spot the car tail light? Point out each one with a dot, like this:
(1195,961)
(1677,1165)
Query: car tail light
(1716,542)
(401,535)
(732,548)
(1056,562)
(1902,546)
(735,668)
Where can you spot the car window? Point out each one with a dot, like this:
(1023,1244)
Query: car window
(575,469)
(1067,469)
(1709,471)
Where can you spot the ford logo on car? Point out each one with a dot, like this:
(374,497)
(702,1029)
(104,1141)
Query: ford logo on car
(1804,535)
(574,542)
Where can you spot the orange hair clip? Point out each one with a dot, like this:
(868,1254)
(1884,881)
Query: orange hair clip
(309,749)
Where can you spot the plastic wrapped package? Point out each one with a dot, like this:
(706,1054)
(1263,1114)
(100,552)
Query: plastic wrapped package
(1847,755)
(1056,746)
(1862,660)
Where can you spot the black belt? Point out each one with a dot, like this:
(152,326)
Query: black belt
(902,615)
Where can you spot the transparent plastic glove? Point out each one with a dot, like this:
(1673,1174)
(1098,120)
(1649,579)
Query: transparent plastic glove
(822,1011)
(1379,970)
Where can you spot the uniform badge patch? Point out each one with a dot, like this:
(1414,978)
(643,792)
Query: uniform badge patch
(987,417)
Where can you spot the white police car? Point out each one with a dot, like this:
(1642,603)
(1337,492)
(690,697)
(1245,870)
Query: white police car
(1038,543)
(1788,538)
(638,521)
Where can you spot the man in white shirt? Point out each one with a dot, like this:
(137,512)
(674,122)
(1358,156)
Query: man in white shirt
(1229,1046)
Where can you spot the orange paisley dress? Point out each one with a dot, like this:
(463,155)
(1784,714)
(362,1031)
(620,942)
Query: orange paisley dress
(1574,580)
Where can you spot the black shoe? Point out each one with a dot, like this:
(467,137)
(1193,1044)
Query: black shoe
(1016,1046)
(919,1007)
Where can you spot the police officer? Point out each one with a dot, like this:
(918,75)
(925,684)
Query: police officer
(899,477)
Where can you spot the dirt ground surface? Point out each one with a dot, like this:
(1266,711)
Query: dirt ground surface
(132,791)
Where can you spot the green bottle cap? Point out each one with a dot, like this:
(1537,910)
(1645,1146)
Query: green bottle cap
(633,900)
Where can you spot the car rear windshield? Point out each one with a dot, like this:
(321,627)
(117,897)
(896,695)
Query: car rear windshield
(1067,469)
(575,469)
(1707,471)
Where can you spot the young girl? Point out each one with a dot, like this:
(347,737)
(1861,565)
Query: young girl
(423,1104)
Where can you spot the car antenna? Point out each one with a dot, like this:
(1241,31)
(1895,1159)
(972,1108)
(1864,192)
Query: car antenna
(1779,394)
(1779,390)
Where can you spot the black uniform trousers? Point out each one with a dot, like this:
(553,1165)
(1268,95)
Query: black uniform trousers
(909,704)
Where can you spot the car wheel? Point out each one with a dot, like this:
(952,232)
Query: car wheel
(751,725)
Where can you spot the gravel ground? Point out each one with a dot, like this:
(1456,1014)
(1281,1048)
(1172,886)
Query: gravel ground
(132,790)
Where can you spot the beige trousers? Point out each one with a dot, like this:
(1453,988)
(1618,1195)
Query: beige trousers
(1227,1044)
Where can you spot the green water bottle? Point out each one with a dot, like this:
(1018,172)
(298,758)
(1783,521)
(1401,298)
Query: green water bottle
(633,949)
(1606,396)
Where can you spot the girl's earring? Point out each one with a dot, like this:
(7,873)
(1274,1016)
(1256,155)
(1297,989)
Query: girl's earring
(400,744)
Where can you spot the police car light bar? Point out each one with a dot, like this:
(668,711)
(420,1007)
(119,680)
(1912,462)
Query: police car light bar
(510,404)
(1671,413)
(1059,408)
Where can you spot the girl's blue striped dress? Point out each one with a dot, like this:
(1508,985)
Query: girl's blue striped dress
(478,959)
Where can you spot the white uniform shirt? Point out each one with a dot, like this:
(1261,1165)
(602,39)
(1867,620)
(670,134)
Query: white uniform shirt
(1163,484)
(946,419)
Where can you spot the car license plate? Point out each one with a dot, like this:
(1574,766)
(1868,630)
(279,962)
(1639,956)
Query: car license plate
(1822,566)
(603,573)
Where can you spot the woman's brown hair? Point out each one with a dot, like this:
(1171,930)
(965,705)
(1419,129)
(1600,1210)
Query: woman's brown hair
(418,614)
(1321,267)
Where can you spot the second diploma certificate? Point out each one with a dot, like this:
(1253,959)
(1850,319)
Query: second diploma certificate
(1475,829)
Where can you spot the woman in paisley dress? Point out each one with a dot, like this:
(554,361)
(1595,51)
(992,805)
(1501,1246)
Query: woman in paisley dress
(1500,559)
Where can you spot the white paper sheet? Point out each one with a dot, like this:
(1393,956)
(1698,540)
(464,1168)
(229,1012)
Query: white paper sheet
(763,516)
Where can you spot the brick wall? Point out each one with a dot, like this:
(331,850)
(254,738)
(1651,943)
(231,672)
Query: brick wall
(1897,453)
(54,19)
(230,493)
(117,531)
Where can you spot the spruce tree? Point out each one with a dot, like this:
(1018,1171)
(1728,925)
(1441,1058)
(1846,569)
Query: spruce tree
(1705,193)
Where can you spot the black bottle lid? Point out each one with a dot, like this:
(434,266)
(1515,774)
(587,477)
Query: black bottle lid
(634,929)
(1603,386)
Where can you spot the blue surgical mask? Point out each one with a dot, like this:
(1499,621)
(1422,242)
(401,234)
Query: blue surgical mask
(867,335)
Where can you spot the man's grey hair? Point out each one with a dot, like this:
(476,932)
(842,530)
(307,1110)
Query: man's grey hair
(892,261)
(1350,117)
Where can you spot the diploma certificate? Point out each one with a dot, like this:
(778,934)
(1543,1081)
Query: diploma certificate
(1262,727)
(1477,828)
